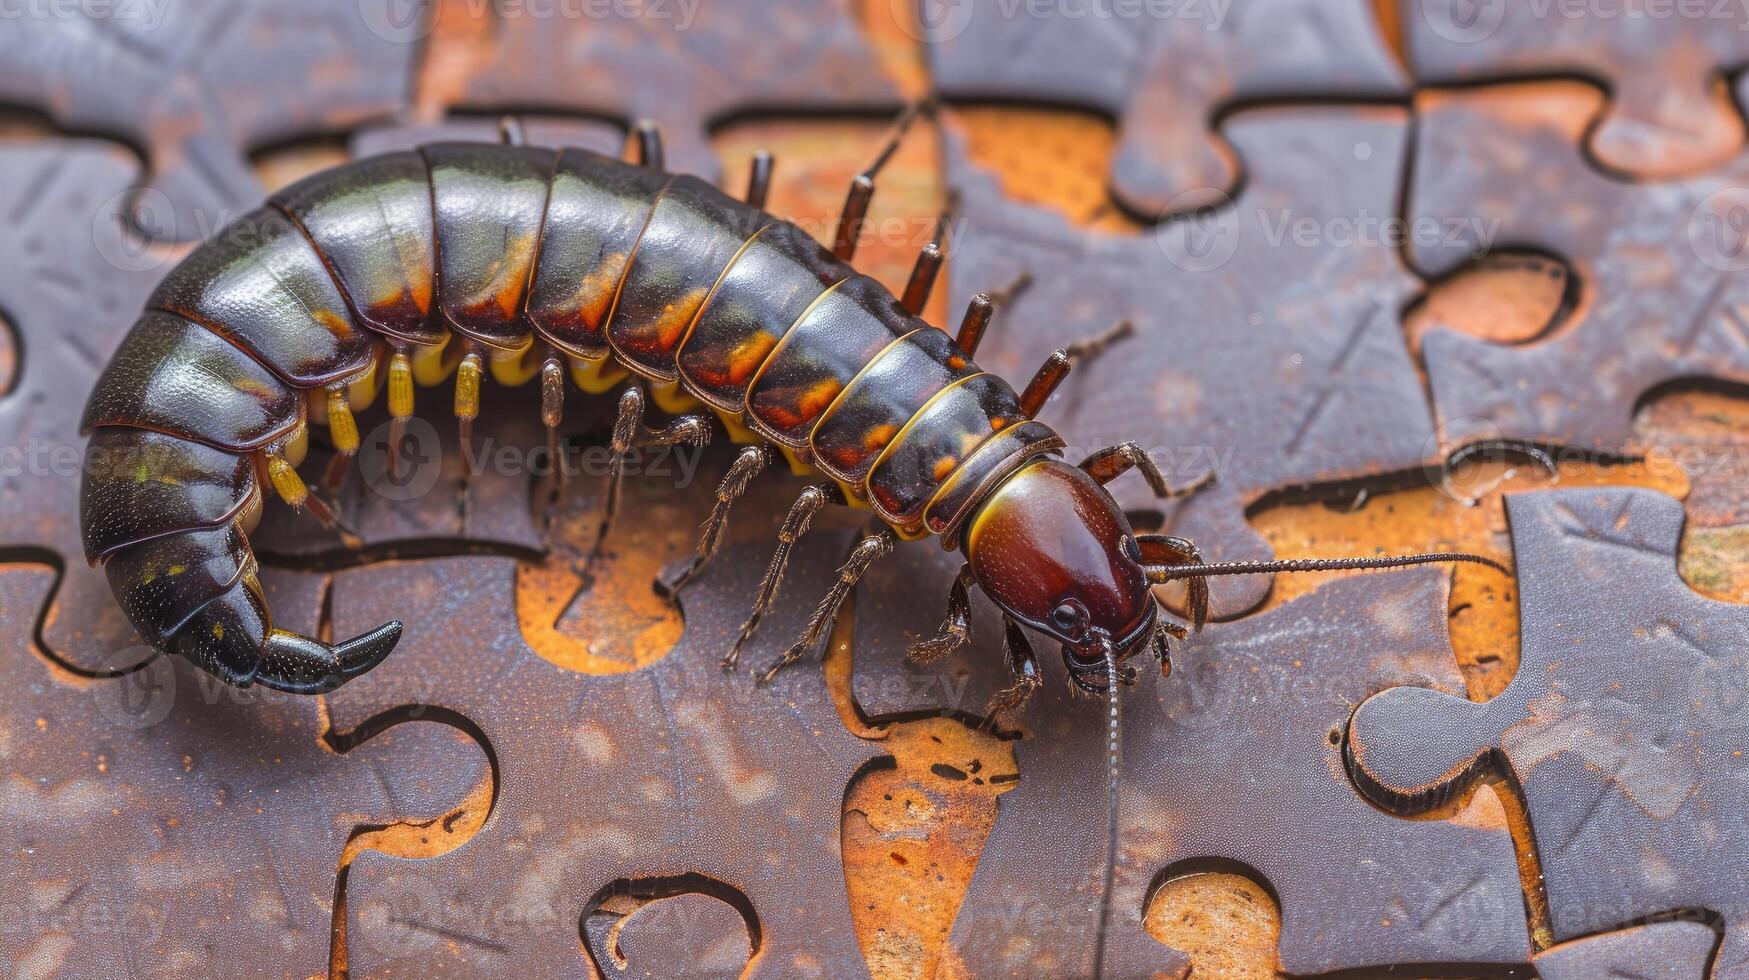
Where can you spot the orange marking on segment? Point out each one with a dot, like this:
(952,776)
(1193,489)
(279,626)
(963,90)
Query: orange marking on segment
(879,436)
(596,290)
(336,324)
(817,398)
(944,466)
(748,355)
(676,317)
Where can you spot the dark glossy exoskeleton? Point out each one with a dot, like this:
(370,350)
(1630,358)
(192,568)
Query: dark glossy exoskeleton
(471,259)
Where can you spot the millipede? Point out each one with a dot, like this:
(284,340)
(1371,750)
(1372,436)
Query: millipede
(569,268)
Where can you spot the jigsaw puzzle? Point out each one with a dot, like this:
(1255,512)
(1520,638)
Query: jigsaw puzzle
(554,777)
(1622,725)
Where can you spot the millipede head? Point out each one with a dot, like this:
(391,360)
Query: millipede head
(1052,548)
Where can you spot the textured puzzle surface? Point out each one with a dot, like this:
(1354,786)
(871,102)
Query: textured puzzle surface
(1350,239)
(1623,725)
(198,84)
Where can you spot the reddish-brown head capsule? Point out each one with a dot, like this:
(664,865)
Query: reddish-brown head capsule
(1052,548)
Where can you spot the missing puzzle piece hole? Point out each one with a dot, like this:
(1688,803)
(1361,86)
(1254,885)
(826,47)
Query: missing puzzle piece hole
(1058,158)
(1506,297)
(1218,913)
(1701,428)
(670,927)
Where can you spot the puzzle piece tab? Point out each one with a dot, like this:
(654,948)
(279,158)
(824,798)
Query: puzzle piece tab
(1624,725)
(1659,266)
(1165,77)
(686,67)
(1236,757)
(197,84)
(1665,65)
(1267,346)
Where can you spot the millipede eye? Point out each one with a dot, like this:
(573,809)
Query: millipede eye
(1070,616)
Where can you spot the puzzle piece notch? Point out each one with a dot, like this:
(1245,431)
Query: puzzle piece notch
(689,935)
(1193,62)
(758,56)
(1235,364)
(1232,758)
(1622,725)
(162,823)
(1670,110)
(197,83)
(1658,266)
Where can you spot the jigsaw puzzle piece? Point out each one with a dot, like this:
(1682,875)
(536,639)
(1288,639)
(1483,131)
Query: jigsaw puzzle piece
(1267,347)
(197,84)
(1236,758)
(162,824)
(1664,64)
(1193,63)
(1623,724)
(1656,951)
(79,279)
(686,66)
(1660,297)
(677,768)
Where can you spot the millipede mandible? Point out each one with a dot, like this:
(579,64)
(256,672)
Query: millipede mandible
(565,267)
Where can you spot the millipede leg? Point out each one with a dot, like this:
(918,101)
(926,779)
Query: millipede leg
(510,131)
(1044,381)
(922,279)
(1023,665)
(956,628)
(291,489)
(552,414)
(467,403)
(1108,464)
(1167,549)
(749,464)
(862,187)
(343,432)
(629,433)
(759,180)
(867,551)
(972,326)
(649,138)
(400,407)
(1081,350)
(795,524)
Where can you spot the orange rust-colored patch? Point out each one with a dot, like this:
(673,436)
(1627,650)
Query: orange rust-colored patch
(912,834)
(629,624)
(1484,603)
(1054,158)
(1506,297)
(1226,923)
